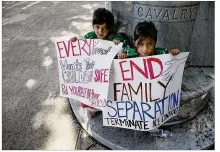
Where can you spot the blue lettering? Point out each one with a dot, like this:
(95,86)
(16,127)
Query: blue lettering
(128,108)
(136,109)
(145,108)
(121,109)
(169,106)
(176,99)
(162,102)
(173,100)
(112,108)
(157,108)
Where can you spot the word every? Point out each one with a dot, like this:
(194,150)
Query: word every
(80,47)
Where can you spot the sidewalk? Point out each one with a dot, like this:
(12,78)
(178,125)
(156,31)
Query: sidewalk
(34,116)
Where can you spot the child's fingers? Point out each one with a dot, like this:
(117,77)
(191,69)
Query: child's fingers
(73,39)
(116,42)
(122,56)
(174,51)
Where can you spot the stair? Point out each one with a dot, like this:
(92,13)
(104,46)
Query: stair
(192,128)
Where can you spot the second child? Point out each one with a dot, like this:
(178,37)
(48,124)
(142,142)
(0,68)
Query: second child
(145,39)
(103,28)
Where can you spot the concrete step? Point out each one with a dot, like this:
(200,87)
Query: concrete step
(198,133)
(197,100)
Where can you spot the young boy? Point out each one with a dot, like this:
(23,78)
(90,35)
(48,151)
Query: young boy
(145,39)
(103,28)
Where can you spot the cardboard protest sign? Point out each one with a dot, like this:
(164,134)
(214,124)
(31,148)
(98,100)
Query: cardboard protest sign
(144,92)
(84,67)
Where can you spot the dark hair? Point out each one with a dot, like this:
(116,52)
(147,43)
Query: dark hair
(144,30)
(101,16)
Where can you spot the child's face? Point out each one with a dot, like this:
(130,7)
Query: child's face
(101,30)
(145,47)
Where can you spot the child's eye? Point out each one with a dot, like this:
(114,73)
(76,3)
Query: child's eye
(105,29)
(141,44)
(150,44)
(97,27)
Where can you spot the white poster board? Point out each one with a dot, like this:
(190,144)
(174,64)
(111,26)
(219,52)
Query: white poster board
(144,92)
(138,93)
(84,67)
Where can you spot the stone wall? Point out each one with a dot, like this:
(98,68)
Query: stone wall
(188,26)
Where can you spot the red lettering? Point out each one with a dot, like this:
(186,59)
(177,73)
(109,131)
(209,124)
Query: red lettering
(60,49)
(85,48)
(123,71)
(89,45)
(67,49)
(105,75)
(81,48)
(144,73)
(100,75)
(150,67)
(64,89)
(73,46)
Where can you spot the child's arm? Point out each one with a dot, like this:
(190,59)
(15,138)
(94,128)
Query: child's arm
(128,53)
(90,35)
(159,51)
(174,51)
(118,38)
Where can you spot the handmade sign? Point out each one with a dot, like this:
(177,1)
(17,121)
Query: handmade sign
(144,92)
(84,67)
(138,93)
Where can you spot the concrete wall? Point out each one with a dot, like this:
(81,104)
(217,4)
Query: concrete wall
(188,26)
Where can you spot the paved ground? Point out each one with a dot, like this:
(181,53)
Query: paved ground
(34,116)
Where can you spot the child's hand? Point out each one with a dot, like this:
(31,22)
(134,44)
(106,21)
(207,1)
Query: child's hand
(174,51)
(73,39)
(122,56)
(116,41)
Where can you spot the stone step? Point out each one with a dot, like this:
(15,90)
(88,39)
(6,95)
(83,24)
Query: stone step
(198,133)
(196,84)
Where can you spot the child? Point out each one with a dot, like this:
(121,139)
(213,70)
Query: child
(104,28)
(145,39)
